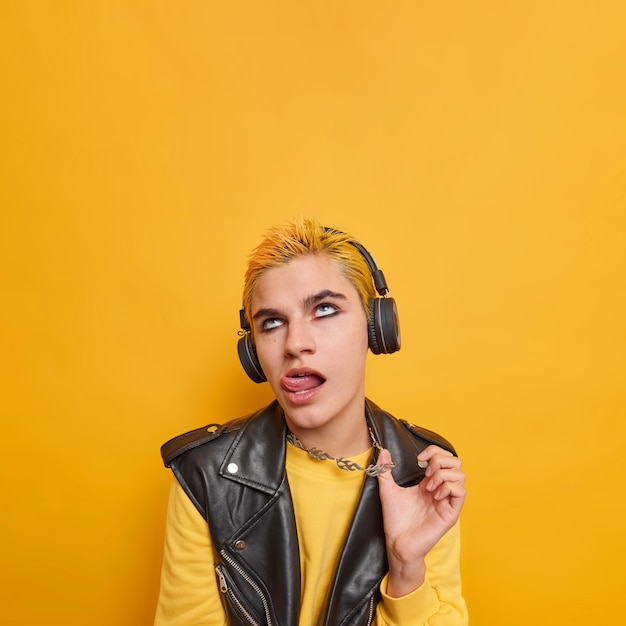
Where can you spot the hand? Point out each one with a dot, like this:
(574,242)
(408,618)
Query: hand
(415,518)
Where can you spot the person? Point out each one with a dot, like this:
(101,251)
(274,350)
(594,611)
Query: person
(321,508)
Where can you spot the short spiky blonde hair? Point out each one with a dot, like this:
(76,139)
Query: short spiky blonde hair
(302,237)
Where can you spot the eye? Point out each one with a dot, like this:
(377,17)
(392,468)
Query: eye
(270,323)
(325,309)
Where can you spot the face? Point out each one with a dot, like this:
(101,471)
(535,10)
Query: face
(310,332)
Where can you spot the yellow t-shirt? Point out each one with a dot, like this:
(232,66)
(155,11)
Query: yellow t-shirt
(325,498)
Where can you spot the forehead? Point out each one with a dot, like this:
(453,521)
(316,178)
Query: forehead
(300,278)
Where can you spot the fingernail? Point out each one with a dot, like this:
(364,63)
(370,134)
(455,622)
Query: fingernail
(423,464)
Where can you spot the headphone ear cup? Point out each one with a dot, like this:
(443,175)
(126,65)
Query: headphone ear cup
(249,359)
(383,326)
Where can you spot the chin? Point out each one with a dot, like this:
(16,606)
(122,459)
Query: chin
(305,417)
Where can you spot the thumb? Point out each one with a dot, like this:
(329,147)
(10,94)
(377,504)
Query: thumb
(386,464)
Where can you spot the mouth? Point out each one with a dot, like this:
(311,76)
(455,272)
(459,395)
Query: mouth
(301,381)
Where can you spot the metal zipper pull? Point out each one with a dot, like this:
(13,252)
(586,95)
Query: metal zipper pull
(222,579)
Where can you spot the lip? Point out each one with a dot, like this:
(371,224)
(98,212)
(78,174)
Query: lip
(296,390)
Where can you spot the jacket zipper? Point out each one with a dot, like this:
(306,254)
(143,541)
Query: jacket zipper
(370,617)
(224,589)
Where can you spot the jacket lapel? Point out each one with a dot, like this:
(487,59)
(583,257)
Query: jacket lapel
(256,458)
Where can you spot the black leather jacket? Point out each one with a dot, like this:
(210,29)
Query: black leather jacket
(235,476)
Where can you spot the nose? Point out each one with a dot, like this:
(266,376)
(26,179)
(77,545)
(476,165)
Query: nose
(299,338)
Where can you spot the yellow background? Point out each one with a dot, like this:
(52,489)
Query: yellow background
(477,149)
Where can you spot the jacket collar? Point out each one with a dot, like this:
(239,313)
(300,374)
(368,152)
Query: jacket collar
(256,458)
(401,443)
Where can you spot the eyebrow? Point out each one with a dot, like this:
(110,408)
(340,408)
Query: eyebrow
(307,302)
(322,295)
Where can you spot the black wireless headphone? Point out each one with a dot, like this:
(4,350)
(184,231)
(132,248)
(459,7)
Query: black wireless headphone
(383,324)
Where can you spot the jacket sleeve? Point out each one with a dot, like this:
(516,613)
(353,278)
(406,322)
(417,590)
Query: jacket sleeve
(189,594)
(439,601)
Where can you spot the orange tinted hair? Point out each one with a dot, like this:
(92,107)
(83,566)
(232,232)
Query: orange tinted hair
(301,237)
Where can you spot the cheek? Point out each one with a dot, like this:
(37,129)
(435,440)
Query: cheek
(352,344)
(360,334)
(266,350)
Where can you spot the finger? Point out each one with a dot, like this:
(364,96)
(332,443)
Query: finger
(441,477)
(427,453)
(442,461)
(453,492)
(385,463)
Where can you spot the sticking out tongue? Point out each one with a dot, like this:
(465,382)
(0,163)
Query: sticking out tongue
(302,383)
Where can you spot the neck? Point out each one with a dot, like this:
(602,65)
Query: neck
(335,439)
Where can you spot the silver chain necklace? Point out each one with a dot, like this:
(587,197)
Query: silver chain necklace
(342,463)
